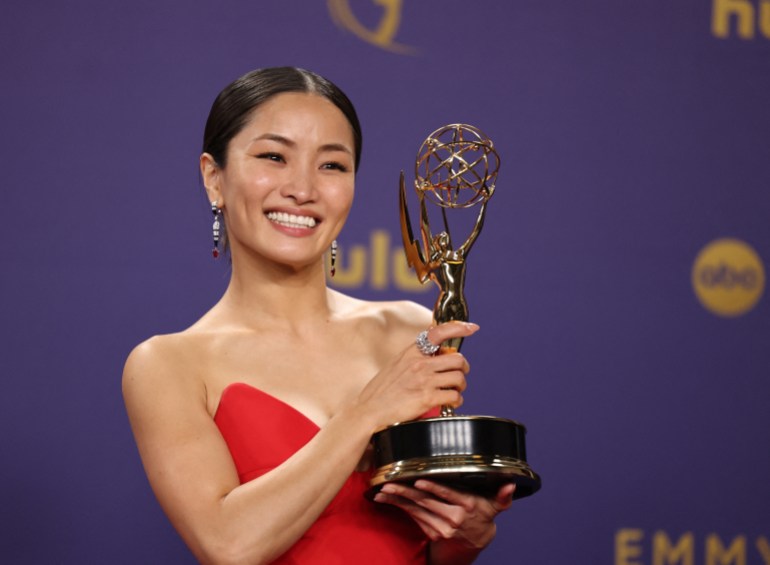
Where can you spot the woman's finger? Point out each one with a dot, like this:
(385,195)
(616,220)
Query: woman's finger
(451,361)
(448,397)
(504,497)
(447,494)
(500,502)
(452,514)
(429,521)
(454,379)
(438,334)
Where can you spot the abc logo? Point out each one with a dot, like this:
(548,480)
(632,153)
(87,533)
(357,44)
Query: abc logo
(728,277)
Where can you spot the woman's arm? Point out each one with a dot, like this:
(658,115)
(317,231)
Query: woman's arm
(192,474)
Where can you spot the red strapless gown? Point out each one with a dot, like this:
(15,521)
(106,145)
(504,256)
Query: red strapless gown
(261,433)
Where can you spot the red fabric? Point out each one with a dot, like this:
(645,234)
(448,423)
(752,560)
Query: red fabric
(262,432)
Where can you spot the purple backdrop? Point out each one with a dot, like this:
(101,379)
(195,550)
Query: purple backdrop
(632,134)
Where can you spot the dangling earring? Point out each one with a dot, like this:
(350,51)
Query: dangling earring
(334,258)
(215,227)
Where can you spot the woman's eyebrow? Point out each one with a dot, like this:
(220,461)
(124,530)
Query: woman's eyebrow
(275,137)
(335,147)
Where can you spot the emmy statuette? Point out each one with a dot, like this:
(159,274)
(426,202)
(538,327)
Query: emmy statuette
(456,168)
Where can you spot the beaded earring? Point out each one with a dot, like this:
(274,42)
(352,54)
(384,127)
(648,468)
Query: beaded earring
(333,258)
(217,212)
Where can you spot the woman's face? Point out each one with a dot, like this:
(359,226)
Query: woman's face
(288,183)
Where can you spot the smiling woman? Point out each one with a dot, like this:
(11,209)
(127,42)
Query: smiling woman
(288,183)
(253,424)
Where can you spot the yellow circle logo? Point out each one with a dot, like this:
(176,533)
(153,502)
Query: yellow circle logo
(383,34)
(728,277)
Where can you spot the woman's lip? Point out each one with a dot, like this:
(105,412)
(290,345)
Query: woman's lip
(292,231)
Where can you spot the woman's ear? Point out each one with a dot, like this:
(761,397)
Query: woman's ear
(211,174)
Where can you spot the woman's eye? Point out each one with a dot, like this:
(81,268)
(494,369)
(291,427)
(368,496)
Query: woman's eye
(335,166)
(271,157)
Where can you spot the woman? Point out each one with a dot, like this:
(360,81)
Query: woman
(253,424)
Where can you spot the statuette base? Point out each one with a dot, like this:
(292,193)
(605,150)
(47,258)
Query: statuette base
(471,453)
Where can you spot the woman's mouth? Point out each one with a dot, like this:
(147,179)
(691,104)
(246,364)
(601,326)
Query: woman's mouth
(291,220)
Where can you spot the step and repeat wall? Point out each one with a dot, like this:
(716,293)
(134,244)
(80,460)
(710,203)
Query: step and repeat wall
(619,281)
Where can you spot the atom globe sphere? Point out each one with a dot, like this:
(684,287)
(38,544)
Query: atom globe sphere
(457,166)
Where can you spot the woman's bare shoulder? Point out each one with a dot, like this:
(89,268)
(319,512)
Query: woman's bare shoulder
(405,314)
(164,357)
(392,315)
(161,349)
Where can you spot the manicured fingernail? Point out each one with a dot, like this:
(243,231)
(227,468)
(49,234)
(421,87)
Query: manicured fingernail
(379,497)
(471,325)
(388,488)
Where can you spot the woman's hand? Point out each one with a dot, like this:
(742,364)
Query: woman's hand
(414,383)
(464,521)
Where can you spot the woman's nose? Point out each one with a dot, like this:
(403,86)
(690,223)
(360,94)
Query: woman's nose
(299,186)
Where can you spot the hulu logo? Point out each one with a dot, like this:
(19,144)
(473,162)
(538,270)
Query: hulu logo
(750,18)
(379,264)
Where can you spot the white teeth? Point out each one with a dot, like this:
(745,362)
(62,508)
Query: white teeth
(290,220)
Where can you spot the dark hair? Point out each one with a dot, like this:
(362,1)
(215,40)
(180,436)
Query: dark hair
(234,105)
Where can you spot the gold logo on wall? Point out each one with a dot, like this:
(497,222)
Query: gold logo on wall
(748,18)
(728,277)
(385,32)
(380,265)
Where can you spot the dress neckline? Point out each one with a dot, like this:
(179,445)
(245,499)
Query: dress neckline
(246,386)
